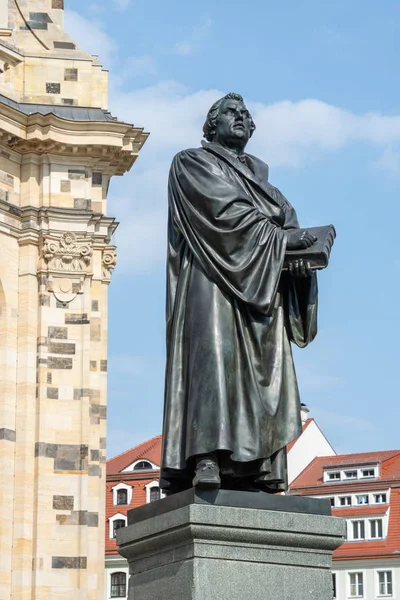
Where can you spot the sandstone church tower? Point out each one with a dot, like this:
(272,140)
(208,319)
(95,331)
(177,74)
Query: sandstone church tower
(59,147)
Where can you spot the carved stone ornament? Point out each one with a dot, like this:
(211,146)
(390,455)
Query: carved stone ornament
(109,261)
(68,254)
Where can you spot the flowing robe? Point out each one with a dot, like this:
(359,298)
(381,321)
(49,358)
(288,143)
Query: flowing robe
(232,314)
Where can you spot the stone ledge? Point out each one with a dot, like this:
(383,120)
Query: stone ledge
(234,499)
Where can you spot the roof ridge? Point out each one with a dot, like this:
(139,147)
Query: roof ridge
(339,457)
(153,439)
(150,446)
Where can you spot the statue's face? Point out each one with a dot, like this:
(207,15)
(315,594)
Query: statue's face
(233,124)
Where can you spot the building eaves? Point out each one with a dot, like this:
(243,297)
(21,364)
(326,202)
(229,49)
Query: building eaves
(68,113)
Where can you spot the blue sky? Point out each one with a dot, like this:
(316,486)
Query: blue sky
(321,82)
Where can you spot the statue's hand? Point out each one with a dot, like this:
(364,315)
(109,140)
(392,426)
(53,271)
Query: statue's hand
(299,239)
(300,268)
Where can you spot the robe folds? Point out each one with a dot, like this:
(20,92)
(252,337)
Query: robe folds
(232,314)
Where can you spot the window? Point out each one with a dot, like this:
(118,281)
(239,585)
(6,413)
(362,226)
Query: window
(380,498)
(358,530)
(153,491)
(143,464)
(335,475)
(364,499)
(350,474)
(122,496)
(368,473)
(154,494)
(356,585)
(332,501)
(345,501)
(376,528)
(334,585)
(118,585)
(385,584)
(118,523)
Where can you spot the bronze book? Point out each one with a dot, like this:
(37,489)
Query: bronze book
(317,254)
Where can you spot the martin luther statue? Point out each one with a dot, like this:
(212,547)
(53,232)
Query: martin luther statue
(231,396)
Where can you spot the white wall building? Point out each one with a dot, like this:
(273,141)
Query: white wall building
(364,489)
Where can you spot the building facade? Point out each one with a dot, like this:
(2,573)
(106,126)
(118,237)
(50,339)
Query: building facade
(59,147)
(132,480)
(364,489)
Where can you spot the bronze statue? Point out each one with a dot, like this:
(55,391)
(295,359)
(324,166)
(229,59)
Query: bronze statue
(231,396)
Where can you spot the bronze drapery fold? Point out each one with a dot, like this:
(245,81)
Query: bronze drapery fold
(232,314)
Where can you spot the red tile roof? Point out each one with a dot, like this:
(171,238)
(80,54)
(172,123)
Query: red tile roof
(151,449)
(377,548)
(312,476)
(360,511)
(310,482)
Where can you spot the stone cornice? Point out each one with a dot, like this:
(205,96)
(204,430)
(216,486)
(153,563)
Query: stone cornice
(29,223)
(114,142)
(9,55)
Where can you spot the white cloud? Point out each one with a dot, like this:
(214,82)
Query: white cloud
(289,134)
(89,35)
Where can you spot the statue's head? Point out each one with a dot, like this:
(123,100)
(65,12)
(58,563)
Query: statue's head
(229,122)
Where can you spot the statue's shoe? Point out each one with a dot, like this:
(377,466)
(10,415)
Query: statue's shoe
(207,474)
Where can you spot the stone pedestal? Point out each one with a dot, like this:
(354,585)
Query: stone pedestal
(231,546)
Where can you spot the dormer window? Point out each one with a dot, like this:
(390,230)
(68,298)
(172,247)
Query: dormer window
(143,465)
(358,530)
(345,501)
(376,526)
(368,473)
(380,498)
(363,499)
(353,473)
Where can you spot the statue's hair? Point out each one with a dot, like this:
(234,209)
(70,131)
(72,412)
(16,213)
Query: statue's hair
(210,126)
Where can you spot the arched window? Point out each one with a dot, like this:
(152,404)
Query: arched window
(154,494)
(122,496)
(143,464)
(118,585)
(118,523)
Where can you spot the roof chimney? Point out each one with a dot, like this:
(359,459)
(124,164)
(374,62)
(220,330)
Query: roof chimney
(304,413)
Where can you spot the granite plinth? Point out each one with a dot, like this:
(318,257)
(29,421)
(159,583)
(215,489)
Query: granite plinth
(188,547)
